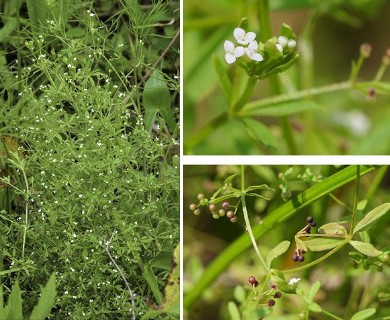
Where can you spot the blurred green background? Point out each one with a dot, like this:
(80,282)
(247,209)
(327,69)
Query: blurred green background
(329,37)
(344,289)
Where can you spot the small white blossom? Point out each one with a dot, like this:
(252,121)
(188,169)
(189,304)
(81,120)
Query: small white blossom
(291,43)
(251,51)
(232,53)
(243,37)
(282,40)
(294,281)
(279,47)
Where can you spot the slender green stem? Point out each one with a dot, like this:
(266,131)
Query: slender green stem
(341,203)
(18,49)
(245,95)
(331,315)
(376,182)
(355,202)
(27,195)
(250,108)
(381,70)
(205,131)
(355,70)
(264,20)
(247,222)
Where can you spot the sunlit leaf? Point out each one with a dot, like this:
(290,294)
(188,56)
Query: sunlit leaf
(315,307)
(277,251)
(46,301)
(366,248)
(14,306)
(233,311)
(157,99)
(364,314)
(333,228)
(371,217)
(322,244)
(313,291)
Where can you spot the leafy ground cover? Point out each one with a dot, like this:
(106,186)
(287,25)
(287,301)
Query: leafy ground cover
(89,166)
(286,77)
(279,242)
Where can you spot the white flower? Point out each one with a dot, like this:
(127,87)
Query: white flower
(294,281)
(291,43)
(243,37)
(232,53)
(279,47)
(251,51)
(282,40)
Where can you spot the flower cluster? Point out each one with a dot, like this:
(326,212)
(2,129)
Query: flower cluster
(245,39)
(249,46)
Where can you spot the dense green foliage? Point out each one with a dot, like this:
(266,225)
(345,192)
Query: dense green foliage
(90,186)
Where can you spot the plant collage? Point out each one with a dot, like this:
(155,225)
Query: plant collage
(182,159)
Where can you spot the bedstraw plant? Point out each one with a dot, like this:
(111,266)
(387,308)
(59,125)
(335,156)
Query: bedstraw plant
(269,289)
(89,166)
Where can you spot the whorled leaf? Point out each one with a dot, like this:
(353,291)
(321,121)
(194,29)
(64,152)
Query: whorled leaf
(322,244)
(333,228)
(366,248)
(371,217)
(364,314)
(277,251)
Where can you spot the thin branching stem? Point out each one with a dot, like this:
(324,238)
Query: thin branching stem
(247,222)
(106,248)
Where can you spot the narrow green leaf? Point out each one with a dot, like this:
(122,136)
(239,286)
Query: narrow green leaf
(366,248)
(371,217)
(259,132)
(239,294)
(364,314)
(333,228)
(233,311)
(230,178)
(8,28)
(156,98)
(46,301)
(2,311)
(151,279)
(225,82)
(322,244)
(277,251)
(313,291)
(315,307)
(14,306)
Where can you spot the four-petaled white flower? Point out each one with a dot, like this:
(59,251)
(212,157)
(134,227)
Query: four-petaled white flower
(294,281)
(243,37)
(250,46)
(231,52)
(251,51)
